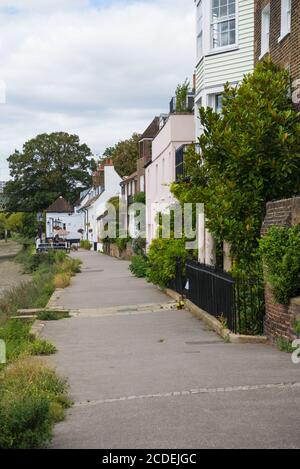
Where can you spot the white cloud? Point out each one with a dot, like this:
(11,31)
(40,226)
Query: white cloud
(101,73)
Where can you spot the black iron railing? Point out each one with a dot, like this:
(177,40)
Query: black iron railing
(238,302)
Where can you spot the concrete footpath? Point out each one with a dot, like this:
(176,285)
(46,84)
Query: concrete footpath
(154,377)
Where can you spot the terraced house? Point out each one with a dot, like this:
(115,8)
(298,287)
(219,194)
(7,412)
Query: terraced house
(225,48)
(277,34)
(225,53)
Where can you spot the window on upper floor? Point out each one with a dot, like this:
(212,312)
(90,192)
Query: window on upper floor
(286,7)
(223,23)
(265,30)
(142,183)
(200,30)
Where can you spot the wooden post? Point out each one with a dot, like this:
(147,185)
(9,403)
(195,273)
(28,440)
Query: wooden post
(210,249)
(227,262)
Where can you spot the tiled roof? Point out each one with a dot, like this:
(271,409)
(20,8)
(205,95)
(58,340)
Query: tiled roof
(152,129)
(60,206)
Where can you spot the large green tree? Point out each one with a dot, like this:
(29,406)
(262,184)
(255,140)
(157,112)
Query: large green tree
(250,154)
(125,155)
(50,165)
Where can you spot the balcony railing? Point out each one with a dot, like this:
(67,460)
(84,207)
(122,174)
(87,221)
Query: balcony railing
(189,105)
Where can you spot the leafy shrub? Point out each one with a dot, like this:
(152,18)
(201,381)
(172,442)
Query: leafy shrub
(40,347)
(139,266)
(122,243)
(62,280)
(280,249)
(139,245)
(32,399)
(85,244)
(254,145)
(139,198)
(162,259)
(25,423)
(284,345)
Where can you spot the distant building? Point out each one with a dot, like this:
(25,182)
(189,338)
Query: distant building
(135,183)
(277,34)
(106,185)
(2,185)
(61,215)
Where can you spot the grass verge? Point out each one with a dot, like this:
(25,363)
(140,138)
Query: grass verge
(49,271)
(32,399)
(32,396)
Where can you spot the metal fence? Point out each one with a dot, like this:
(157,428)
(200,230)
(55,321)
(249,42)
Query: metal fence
(238,302)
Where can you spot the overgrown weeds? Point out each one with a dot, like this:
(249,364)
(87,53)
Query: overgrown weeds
(32,399)
(49,271)
(21,343)
(32,396)
(53,315)
(284,345)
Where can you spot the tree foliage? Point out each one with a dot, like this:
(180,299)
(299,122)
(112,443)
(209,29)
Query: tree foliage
(250,154)
(181,96)
(125,155)
(49,166)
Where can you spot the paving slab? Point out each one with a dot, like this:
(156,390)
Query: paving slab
(104,282)
(161,379)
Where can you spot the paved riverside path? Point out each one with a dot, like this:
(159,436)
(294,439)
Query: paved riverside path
(157,378)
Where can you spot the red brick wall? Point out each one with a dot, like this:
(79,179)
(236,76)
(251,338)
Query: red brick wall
(280,319)
(286,52)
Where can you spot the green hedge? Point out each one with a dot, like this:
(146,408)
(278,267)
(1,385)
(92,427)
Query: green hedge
(280,249)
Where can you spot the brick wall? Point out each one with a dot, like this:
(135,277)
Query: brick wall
(282,213)
(280,319)
(286,52)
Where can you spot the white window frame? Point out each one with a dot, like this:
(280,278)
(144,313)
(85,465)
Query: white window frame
(219,21)
(286,18)
(212,100)
(199,29)
(265,30)
(142,183)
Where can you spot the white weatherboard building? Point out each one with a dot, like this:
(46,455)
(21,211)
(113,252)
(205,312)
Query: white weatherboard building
(61,215)
(225,53)
(225,48)
(94,206)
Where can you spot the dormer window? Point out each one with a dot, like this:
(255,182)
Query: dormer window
(223,23)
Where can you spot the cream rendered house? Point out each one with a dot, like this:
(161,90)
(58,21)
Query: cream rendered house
(176,131)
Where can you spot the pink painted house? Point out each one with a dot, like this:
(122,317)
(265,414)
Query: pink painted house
(176,131)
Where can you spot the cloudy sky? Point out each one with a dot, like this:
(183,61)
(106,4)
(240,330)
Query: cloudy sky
(99,68)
